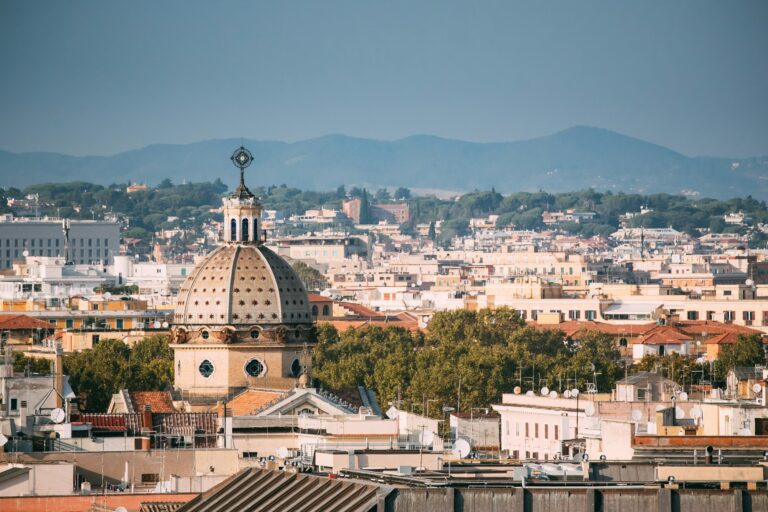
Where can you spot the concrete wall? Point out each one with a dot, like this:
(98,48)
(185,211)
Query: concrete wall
(131,502)
(575,500)
(41,480)
(91,465)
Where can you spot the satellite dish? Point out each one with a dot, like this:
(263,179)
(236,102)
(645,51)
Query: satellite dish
(25,253)
(567,393)
(757,387)
(461,448)
(426,437)
(749,282)
(683,396)
(156,325)
(517,390)
(544,391)
(574,392)
(697,413)
(589,409)
(637,415)
(392,413)
(282,452)
(553,394)
(165,325)
(529,393)
(58,415)
(121,509)
(107,295)
(679,412)
(3,439)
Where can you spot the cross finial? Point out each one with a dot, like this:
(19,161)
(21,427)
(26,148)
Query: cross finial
(242,158)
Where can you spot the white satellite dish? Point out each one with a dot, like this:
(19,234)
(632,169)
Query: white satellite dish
(679,412)
(461,448)
(517,390)
(574,392)
(121,509)
(589,409)
(749,282)
(25,253)
(58,415)
(426,438)
(567,393)
(529,393)
(156,325)
(3,439)
(756,387)
(392,413)
(165,325)
(637,415)
(282,452)
(107,295)
(696,413)
(683,396)
(553,394)
(544,391)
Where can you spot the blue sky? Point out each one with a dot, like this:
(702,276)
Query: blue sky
(98,77)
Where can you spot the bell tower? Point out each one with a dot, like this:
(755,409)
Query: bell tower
(242,211)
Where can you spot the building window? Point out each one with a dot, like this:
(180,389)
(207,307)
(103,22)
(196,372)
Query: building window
(233,229)
(557,433)
(255,333)
(546,431)
(765,317)
(326,310)
(206,368)
(95,339)
(693,315)
(536,430)
(623,342)
(254,368)
(296,368)
(574,314)
(70,323)
(729,316)
(748,317)
(710,315)
(245,231)
(527,432)
(205,335)
(119,323)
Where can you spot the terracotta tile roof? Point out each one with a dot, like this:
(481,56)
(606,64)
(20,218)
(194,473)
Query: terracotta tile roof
(23,322)
(315,297)
(700,327)
(360,310)
(727,337)
(572,328)
(249,401)
(160,401)
(664,334)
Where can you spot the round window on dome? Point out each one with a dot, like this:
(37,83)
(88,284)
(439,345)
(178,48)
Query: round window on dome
(205,335)
(255,333)
(206,368)
(254,368)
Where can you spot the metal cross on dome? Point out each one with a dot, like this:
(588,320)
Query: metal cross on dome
(242,158)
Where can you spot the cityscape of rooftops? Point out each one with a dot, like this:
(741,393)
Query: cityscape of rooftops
(397,256)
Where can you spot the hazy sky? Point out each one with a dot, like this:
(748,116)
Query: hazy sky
(106,76)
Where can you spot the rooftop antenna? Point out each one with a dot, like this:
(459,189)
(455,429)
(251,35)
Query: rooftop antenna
(65,228)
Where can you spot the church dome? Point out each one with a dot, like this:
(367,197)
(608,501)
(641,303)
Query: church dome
(242,285)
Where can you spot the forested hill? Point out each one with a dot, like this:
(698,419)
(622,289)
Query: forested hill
(573,159)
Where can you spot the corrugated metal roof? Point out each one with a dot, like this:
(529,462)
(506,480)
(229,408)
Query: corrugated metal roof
(161,506)
(254,489)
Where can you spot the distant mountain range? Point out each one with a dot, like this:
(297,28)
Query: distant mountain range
(576,158)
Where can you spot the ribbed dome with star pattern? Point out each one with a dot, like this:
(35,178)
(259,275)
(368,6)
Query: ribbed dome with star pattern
(242,285)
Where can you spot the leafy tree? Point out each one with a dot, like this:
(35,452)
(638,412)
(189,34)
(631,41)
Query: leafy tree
(312,278)
(402,193)
(746,351)
(22,363)
(98,373)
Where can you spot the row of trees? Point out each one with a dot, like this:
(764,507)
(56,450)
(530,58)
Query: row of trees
(466,359)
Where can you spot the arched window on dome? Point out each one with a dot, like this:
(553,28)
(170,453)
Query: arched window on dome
(233,229)
(245,231)
(255,230)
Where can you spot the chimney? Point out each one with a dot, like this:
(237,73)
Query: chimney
(146,417)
